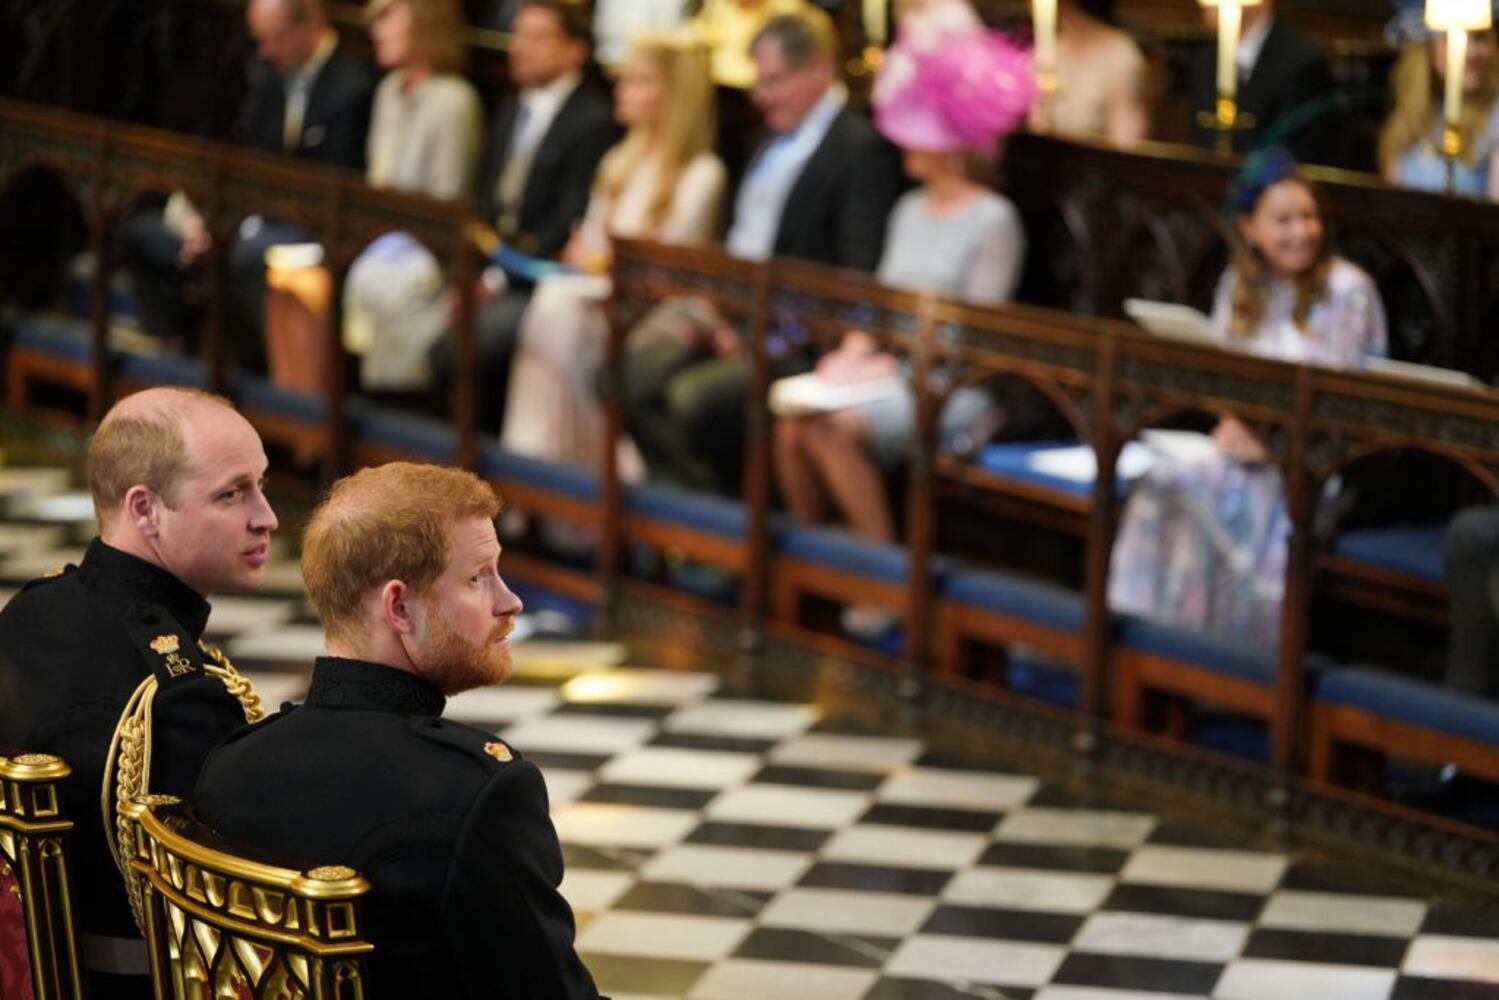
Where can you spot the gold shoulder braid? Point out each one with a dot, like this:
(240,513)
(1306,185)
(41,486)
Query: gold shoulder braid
(127,769)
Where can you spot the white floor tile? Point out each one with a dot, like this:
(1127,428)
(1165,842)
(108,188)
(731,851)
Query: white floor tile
(841,911)
(1101,993)
(747,979)
(591,890)
(1441,956)
(1154,936)
(636,686)
(1203,868)
(728,867)
(501,704)
(565,786)
(672,767)
(277,689)
(579,733)
(1023,889)
(297,643)
(19,482)
(30,565)
(693,938)
(783,805)
(1261,979)
(905,847)
(918,786)
(554,658)
(1341,913)
(29,539)
(851,753)
(1076,827)
(284,578)
(57,508)
(232,616)
(964,959)
(6,593)
(599,824)
(766,720)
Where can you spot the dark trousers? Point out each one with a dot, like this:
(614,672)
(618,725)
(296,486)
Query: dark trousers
(496,330)
(1473,585)
(149,250)
(685,409)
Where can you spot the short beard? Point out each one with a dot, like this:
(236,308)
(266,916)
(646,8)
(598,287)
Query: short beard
(453,663)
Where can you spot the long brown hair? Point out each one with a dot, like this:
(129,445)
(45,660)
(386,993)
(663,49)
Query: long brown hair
(1252,275)
(1414,83)
(683,131)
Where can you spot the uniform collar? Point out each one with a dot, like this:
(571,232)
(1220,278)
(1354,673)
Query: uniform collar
(360,684)
(107,568)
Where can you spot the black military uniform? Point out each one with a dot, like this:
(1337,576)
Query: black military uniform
(77,645)
(449,825)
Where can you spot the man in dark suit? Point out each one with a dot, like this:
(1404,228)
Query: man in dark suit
(1284,82)
(545,145)
(449,824)
(819,189)
(176,478)
(308,98)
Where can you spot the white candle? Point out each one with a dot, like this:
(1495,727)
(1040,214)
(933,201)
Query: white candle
(1044,16)
(876,27)
(1229,19)
(1457,59)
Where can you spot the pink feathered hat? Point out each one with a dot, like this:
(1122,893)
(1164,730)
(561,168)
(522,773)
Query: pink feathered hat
(949,84)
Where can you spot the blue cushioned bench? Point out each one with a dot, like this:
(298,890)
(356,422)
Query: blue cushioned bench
(1413,549)
(839,566)
(1154,658)
(1002,609)
(51,349)
(702,527)
(1377,710)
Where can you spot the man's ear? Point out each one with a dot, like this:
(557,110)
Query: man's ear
(141,507)
(396,607)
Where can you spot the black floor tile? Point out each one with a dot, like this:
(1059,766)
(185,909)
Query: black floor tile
(565,761)
(1096,860)
(703,741)
(875,878)
(614,859)
(771,838)
(931,818)
(651,796)
(1444,918)
(1008,925)
(926,989)
(1176,902)
(1128,972)
(1344,879)
(615,709)
(780,944)
(674,897)
(1175,833)
(816,777)
(1050,796)
(1422,988)
(651,976)
(1317,946)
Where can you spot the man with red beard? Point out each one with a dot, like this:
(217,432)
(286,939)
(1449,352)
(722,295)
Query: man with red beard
(449,824)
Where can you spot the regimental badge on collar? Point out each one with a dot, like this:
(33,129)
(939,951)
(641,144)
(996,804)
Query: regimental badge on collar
(168,646)
(499,752)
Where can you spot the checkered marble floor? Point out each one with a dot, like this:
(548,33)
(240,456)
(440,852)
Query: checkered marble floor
(721,847)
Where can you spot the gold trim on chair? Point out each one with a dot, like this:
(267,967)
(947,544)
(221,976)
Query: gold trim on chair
(219,924)
(33,851)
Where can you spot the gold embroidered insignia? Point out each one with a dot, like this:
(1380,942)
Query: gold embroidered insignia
(54,572)
(499,752)
(177,665)
(164,644)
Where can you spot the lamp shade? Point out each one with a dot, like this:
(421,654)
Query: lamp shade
(1459,15)
(1229,3)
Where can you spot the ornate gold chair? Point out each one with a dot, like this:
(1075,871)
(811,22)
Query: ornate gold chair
(221,925)
(38,937)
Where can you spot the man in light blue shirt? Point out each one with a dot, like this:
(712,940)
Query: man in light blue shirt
(818,189)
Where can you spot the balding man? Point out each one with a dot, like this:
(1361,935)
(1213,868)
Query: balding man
(176,476)
(449,825)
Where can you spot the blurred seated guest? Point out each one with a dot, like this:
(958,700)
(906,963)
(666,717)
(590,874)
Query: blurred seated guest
(1104,80)
(663,182)
(1284,82)
(617,24)
(820,189)
(952,235)
(545,144)
(425,137)
(1410,142)
(308,98)
(448,824)
(1473,588)
(1202,543)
